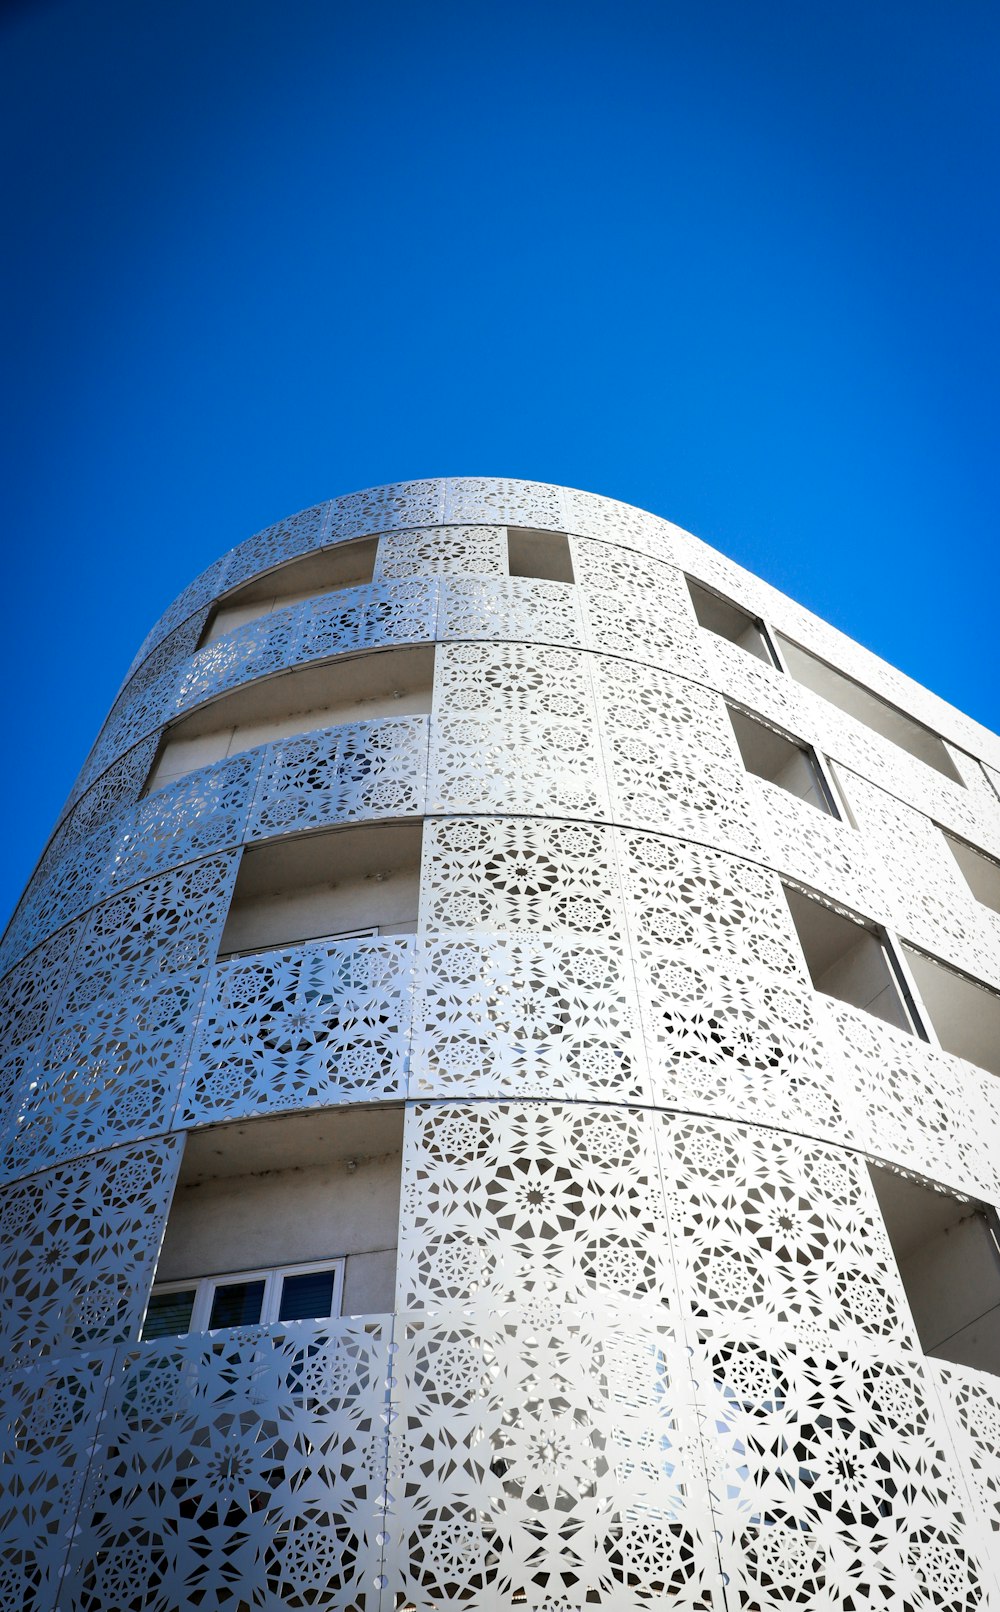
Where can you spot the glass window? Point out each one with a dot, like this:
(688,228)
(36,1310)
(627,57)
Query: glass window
(285,1293)
(236,1304)
(308,1293)
(169,1312)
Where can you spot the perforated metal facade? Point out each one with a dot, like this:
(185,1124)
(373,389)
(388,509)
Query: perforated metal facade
(650,1343)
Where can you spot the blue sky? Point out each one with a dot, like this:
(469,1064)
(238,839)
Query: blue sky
(736,263)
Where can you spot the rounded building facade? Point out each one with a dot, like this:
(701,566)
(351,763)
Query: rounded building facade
(500,1094)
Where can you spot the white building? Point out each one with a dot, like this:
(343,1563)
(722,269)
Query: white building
(501,1099)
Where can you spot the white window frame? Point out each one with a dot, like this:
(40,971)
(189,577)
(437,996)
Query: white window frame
(273,1278)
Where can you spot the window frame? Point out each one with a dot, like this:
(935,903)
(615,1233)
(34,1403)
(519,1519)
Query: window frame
(273,1277)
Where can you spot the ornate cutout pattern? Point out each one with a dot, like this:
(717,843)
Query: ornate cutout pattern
(820,851)
(443,551)
(519,609)
(511,503)
(109,1074)
(831,1482)
(302,1028)
(930,901)
(531,1205)
(542,1463)
(524,1017)
(775,1234)
(671,757)
(381,509)
(366,769)
(506,680)
(204,812)
(49,1415)
(77,1246)
(914,1102)
(239,1469)
(276,545)
(520,875)
(971,1403)
(535,767)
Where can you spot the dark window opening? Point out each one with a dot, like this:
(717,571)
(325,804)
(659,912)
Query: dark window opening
(539,554)
(949,1262)
(847,959)
(728,620)
(771,755)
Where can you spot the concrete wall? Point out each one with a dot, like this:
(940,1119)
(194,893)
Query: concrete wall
(326,884)
(288,1217)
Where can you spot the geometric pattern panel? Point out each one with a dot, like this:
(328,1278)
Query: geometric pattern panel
(349,619)
(917,1106)
(936,910)
(541,768)
(672,758)
(77,1246)
(365,769)
(239,1469)
(116,789)
(49,1415)
(819,850)
(831,1482)
(367,618)
(546,1464)
(701,904)
(520,875)
(637,607)
(532,1205)
(383,509)
(512,503)
(778,1237)
(752,684)
(29,992)
(255,650)
(622,524)
(111,1073)
(165,926)
(724,1042)
(60,890)
(204,812)
(515,609)
(275,545)
(970,1401)
(443,551)
(306,1027)
(970,810)
(501,681)
(517,1015)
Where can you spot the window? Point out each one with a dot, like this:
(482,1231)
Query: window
(335,882)
(344,565)
(964,1014)
(284,1217)
(949,1261)
(728,620)
(859,702)
(847,959)
(772,755)
(247,1298)
(539,554)
(355,688)
(980,872)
